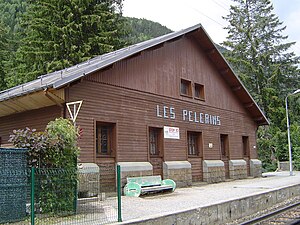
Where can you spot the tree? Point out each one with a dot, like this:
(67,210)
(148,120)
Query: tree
(59,34)
(142,30)
(3,54)
(264,63)
(10,35)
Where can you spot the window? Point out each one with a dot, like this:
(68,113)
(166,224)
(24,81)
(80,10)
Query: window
(245,146)
(199,91)
(224,145)
(155,143)
(105,138)
(194,143)
(186,87)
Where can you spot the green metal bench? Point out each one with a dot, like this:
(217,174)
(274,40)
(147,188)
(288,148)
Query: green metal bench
(140,185)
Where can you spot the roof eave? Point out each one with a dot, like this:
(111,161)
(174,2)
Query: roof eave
(265,120)
(132,50)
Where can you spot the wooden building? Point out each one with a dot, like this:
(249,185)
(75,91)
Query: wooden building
(170,106)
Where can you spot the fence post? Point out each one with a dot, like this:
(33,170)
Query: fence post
(119,193)
(76,188)
(32,195)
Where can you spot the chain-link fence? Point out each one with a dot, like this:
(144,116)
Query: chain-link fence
(57,196)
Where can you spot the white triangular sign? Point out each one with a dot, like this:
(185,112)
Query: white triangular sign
(73,108)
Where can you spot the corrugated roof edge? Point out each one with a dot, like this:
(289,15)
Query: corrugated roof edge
(82,69)
(58,80)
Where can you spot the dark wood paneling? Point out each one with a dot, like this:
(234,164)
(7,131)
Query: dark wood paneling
(226,165)
(34,119)
(107,174)
(248,165)
(160,70)
(197,171)
(128,92)
(157,164)
(133,111)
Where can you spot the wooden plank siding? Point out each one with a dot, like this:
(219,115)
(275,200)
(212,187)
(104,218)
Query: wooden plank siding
(128,92)
(159,72)
(34,119)
(134,111)
(197,171)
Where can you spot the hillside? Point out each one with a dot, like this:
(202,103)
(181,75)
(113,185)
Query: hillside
(142,30)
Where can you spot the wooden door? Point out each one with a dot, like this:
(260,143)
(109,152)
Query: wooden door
(224,145)
(246,152)
(156,150)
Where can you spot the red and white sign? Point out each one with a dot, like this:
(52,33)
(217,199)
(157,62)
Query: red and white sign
(171,132)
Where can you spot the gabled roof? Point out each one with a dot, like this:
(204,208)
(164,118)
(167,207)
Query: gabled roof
(56,80)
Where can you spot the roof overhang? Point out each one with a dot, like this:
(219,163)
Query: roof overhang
(34,100)
(229,76)
(31,95)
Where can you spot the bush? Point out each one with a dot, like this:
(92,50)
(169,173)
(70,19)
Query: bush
(55,149)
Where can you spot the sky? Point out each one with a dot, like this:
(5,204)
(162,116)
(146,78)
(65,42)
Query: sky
(179,14)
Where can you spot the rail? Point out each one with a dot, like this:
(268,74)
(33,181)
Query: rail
(292,220)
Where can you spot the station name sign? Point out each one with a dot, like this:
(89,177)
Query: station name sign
(169,112)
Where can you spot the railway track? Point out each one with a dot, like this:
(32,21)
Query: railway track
(289,215)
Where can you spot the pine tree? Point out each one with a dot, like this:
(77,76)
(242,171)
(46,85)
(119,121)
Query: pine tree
(142,30)
(60,34)
(3,54)
(263,61)
(10,15)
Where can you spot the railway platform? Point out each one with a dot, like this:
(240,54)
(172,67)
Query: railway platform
(211,203)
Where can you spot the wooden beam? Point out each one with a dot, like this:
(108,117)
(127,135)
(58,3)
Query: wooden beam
(260,118)
(236,88)
(249,105)
(224,72)
(47,94)
(211,51)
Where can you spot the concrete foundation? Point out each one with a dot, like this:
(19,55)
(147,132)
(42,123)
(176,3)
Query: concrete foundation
(179,171)
(134,169)
(284,166)
(88,184)
(255,168)
(224,212)
(237,169)
(213,171)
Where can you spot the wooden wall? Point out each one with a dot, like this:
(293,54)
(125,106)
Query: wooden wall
(133,112)
(34,119)
(129,92)
(159,71)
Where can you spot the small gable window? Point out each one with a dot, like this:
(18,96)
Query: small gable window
(186,88)
(199,91)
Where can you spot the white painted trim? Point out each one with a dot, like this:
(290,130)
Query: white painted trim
(237,162)
(213,163)
(135,166)
(255,162)
(171,165)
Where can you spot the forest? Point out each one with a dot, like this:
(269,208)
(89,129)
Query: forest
(42,36)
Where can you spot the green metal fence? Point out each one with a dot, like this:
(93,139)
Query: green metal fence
(13,184)
(51,196)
